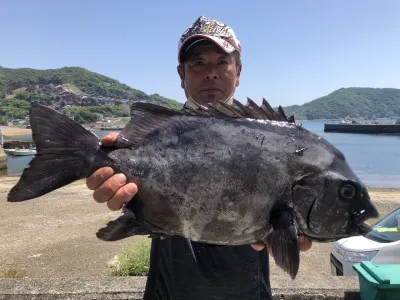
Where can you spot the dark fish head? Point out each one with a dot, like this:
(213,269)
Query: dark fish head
(332,204)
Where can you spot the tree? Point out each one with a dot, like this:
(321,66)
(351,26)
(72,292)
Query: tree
(84,116)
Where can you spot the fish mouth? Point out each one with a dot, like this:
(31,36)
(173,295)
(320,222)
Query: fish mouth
(356,229)
(359,217)
(357,221)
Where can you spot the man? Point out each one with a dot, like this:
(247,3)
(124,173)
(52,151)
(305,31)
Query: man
(209,69)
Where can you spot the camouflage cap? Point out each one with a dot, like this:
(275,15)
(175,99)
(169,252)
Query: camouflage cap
(219,33)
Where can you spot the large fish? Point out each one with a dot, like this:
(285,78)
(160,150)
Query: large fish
(211,175)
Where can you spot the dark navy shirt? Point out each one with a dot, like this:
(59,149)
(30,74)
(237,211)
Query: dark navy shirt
(221,272)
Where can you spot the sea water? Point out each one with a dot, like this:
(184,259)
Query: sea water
(374,158)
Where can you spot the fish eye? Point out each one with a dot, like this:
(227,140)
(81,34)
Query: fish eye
(347,192)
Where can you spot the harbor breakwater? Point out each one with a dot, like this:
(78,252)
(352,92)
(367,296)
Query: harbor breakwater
(363,128)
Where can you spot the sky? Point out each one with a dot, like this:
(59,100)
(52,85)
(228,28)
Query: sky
(293,51)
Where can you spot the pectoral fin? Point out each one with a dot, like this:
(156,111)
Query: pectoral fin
(123,227)
(283,240)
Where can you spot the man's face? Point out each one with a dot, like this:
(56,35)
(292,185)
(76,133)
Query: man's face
(210,74)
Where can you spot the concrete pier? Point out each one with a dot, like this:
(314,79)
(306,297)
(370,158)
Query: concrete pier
(363,128)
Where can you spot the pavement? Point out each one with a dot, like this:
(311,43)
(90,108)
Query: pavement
(303,288)
(54,235)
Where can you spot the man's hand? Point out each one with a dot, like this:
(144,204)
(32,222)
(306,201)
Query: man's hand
(304,244)
(109,187)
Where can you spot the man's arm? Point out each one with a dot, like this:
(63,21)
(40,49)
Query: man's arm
(113,189)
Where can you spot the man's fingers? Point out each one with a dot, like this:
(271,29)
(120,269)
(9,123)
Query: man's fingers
(258,246)
(108,189)
(98,177)
(109,139)
(123,195)
(304,243)
(261,246)
(101,175)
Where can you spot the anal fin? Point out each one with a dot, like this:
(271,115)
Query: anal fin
(283,240)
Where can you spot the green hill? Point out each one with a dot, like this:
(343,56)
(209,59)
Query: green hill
(364,103)
(91,83)
(68,87)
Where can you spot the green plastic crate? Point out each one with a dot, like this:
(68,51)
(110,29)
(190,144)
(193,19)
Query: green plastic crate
(378,282)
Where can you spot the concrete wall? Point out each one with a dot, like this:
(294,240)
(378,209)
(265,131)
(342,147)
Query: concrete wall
(321,288)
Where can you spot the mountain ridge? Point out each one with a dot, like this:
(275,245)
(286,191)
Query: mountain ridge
(75,91)
(351,102)
(88,82)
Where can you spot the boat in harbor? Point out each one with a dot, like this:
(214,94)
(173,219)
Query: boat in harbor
(21,152)
(9,151)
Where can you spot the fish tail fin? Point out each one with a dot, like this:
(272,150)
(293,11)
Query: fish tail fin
(65,153)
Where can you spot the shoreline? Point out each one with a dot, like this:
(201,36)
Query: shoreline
(11,131)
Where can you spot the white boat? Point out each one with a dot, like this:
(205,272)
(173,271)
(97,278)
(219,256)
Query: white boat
(19,152)
(9,151)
